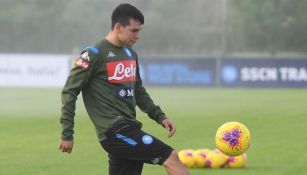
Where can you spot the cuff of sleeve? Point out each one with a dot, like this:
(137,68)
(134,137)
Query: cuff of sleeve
(67,137)
(161,118)
(157,114)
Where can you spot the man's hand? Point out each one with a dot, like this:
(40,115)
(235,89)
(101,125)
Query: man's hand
(170,126)
(66,146)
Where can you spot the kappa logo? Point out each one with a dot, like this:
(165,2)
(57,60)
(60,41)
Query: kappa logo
(85,56)
(121,71)
(155,161)
(111,54)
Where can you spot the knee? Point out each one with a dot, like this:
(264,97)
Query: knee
(174,166)
(172,160)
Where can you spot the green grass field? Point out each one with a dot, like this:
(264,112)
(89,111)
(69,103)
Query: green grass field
(30,130)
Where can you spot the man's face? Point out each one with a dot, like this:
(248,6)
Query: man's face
(129,34)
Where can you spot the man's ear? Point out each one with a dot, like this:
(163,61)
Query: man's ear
(117,27)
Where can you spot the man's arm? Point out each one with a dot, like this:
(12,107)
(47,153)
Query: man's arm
(146,104)
(77,79)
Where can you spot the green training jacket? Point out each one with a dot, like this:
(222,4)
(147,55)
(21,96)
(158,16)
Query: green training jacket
(109,79)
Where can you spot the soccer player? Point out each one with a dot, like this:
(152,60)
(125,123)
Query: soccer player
(108,76)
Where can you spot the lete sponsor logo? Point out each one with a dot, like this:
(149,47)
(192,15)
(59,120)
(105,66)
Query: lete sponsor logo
(121,71)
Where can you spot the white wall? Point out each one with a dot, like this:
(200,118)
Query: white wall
(27,70)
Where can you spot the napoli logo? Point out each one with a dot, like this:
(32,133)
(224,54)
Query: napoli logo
(147,139)
(229,73)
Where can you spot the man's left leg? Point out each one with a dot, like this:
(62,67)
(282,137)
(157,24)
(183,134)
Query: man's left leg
(173,165)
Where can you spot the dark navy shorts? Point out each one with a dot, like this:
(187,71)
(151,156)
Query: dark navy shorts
(129,148)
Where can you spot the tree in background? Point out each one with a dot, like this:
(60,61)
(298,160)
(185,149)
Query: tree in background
(269,26)
(173,27)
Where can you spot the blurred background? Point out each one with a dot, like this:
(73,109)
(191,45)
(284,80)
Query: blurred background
(173,27)
(237,60)
(216,43)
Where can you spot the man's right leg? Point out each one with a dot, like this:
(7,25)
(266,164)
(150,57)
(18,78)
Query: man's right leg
(120,166)
(174,166)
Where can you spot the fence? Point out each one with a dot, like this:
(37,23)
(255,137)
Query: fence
(52,70)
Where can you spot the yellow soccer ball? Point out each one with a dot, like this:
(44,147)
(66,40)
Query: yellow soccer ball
(232,138)
(200,156)
(186,156)
(224,156)
(237,161)
(214,160)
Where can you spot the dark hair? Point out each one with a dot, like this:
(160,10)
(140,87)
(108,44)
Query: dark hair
(123,13)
